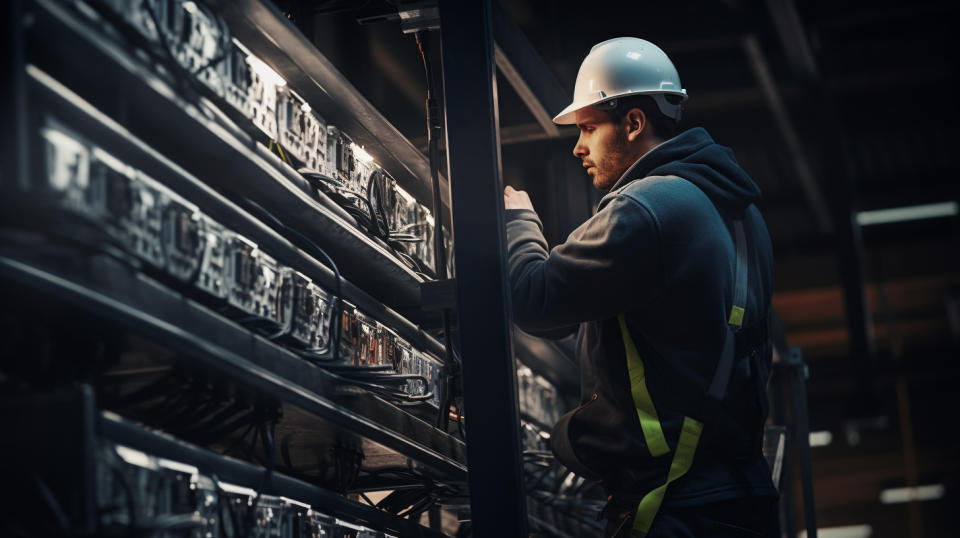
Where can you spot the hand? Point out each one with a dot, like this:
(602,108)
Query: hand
(514,199)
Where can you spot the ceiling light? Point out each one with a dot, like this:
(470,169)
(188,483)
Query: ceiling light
(848,531)
(900,214)
(929,492)
(820,438)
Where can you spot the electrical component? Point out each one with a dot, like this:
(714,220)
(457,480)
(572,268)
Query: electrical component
(66,181)
(255,281)
(412,228)
(310,323)
(262,95)
(299,128)
(315,142)
(212,278)
(339,156)
(183,238)
(538,398)
(137,15)
(415,362)
(134,206)
(366,351)
(144,494)
(134,490)
(236,87)
(389,348)
(200,42)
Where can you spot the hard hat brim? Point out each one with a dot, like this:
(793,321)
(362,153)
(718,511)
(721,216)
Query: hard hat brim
(568,116)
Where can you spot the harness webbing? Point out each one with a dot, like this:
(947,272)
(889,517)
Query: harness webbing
(691,429)
(649,421)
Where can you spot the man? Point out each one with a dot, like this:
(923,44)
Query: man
(672,329)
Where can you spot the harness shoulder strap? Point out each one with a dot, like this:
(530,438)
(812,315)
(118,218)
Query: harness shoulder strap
(691,429)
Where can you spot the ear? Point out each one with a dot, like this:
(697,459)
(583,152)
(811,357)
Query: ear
(636,123)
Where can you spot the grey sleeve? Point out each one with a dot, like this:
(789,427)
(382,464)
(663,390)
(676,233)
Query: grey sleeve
(609,265)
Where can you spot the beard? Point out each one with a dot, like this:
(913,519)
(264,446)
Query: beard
(613,164)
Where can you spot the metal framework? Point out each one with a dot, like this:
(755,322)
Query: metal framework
(497,499)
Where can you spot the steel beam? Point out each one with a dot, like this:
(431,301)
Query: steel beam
(849,246)
(526,71)
(798,156)
(497,499)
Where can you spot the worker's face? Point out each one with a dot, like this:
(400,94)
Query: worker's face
(602,147)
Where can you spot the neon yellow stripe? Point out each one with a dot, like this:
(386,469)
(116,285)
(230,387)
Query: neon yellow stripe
(682,461)
(649,421)
(736,315)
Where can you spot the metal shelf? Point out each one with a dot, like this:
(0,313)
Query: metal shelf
(269,35)
(101,287)
(228,469)
(49,96)
(208,145)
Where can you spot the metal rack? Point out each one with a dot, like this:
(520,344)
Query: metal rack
(125,105)
(123,102)
(210,146)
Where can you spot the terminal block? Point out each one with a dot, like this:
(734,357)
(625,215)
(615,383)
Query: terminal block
(262,96)
(132,487)
(66,180)
(299,129)
(236,87)
(312,311)
(183,239)
(255,282)
(212,277)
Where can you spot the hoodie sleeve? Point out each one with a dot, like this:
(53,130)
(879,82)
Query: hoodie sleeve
(609,265)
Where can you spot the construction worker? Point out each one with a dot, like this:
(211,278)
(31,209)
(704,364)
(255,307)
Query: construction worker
(668,286)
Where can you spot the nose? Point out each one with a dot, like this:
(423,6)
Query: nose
(580,149)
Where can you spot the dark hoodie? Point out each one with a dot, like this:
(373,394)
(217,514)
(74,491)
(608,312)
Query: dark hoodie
(659,250)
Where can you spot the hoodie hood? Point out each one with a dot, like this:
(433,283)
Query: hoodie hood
(694,156)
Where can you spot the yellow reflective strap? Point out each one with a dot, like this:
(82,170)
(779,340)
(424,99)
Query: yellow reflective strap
(682,461)
(736,315)
(649,421)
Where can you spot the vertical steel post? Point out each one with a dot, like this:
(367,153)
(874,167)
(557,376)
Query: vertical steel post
(801,428)
(13,98)
(497,499)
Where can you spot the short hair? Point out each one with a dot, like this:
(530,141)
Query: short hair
(663,126)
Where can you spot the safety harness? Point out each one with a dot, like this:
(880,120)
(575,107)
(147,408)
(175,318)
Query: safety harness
(692,428)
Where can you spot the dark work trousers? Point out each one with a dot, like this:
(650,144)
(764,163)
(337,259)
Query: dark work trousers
(736,518)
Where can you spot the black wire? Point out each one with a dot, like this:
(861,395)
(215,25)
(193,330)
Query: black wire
(440,261)
(51,501)
(328,261)
(129,497)
(265,480)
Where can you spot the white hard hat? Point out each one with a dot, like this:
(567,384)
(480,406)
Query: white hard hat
(620,67)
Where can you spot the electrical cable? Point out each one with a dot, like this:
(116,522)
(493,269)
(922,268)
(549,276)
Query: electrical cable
(338,289)
(56,509)
(265,480)
(433,131)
